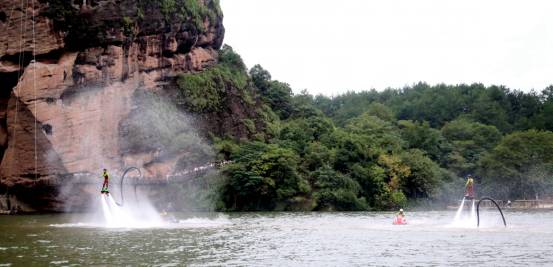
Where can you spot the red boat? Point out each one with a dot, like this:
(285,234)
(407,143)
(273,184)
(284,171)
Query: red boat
(399,220)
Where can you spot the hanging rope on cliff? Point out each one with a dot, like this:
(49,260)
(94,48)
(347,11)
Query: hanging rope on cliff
(21,63)
(34,87)
(6,30)
(9,21)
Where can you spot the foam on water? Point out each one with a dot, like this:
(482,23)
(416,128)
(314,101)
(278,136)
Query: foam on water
(128,216)
(143,215)
(203,222)
(111,215)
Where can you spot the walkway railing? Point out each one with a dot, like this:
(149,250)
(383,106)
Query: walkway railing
(179,177)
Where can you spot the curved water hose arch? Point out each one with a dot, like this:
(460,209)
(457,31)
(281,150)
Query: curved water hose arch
(121,184)
(478,211)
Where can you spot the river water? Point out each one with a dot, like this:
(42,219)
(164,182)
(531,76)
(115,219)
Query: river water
(283,239)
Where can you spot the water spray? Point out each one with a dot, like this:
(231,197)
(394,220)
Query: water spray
(459,210)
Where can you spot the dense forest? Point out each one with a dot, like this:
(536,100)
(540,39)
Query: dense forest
(374,150)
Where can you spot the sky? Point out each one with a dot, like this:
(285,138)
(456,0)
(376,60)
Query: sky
(330,46)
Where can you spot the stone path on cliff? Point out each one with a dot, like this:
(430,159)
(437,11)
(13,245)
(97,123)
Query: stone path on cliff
(177,177)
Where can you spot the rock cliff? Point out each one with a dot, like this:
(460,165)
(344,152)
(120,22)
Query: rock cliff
(64,110)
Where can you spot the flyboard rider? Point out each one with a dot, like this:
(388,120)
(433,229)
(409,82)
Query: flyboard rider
(106,182)
(469,187)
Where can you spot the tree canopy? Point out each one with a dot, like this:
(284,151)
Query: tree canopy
(377,150)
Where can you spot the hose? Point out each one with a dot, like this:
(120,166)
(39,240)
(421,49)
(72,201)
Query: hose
(478,211)
(121,185)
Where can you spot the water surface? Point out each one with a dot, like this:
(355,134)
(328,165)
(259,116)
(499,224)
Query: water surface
(316,239)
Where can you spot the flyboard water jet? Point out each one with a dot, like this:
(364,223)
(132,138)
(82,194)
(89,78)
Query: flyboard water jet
(474,212)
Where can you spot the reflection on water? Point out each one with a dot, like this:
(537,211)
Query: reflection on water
(351,238)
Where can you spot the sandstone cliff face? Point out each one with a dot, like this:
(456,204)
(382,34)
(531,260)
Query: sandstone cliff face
(62,117)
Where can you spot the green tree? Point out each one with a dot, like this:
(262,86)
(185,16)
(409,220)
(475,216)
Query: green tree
(296,134)
(303,106)
(380,111)
(335,191)
(421,136)
(491,108)
(349,149)
(260,77)
(316,156)
(231,59)
(469,141)
(382,134)
(424,176)
(543,119)
(277,95)
(263,177)
(520,166)
(372,179)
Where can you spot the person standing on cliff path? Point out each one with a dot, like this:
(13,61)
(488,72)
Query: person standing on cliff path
(106,182)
